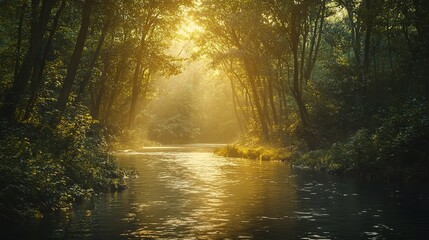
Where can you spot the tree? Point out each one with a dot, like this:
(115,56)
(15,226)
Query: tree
(39,21)
(40,63)
(73,65)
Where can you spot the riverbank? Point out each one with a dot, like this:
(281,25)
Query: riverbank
(337,160)
(380,154)
(44,169)
(396,147)
(254,152)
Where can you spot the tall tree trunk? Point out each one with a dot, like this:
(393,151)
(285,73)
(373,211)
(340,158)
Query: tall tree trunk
(272,103)
(355,32)
(368,33)
(294,45)
(114,92)
(298,94)
(21,12)
(236,106)
(38,28)
(282,90)
(39,66)
(265,107)
(257,102)
(75,59)
(135,92)
(315,42)
(244,117)
(251,106)
(96,107)
(87,77)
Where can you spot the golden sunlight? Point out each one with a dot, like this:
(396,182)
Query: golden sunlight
(188,26)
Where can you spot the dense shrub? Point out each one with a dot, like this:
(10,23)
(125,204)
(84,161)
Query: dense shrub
(44,169)
(397,148)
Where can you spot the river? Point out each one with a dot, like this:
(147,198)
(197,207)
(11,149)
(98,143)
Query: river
(187,192)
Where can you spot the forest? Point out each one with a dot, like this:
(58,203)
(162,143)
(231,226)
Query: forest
(341,86)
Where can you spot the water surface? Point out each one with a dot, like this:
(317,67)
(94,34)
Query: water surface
(187,192)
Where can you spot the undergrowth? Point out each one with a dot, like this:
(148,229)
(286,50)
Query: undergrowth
(44,169)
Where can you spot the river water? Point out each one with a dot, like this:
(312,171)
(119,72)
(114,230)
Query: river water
(187,192)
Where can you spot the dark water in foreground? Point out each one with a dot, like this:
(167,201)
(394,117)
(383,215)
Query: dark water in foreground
(189,193)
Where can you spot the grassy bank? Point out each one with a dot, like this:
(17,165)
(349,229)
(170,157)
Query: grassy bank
(254,152)
(44,169)
(396,148)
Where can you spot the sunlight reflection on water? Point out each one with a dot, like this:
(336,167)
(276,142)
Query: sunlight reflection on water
(190,193)
(211,192)
(212,197)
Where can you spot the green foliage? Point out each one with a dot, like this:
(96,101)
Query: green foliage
(396,148)
(43,170)
(129,139)
(176,129)
(254,152)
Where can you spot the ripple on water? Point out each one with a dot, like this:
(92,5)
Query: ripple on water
(186,195)
(312,236)
(310,214)
(130,217)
